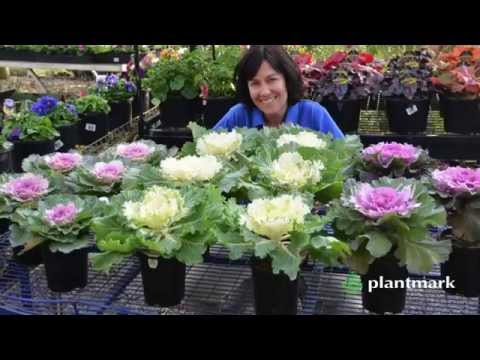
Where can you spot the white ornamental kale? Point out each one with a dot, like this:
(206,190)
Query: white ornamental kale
(219,144)
(190,168)
(292,171)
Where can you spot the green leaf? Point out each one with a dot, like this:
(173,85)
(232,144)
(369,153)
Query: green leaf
(191,252)
(420,256)
(177,83)
(264,247)
(378,244)
(282,260)
(104,261)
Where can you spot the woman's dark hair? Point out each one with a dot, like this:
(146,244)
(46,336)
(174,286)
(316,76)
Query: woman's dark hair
(278,59)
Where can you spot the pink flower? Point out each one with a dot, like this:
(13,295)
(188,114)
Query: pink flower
(134,151)
(457,179)
(26,188)
(61,214)
(384,153)
(63,162)
(375,203)
(108,172)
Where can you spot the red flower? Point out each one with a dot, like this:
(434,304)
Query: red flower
(365,58)
(303,59)
(335,59)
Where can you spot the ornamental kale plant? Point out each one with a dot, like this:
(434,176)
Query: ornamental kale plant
(389,216)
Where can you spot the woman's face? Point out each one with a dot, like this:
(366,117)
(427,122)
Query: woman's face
(268,90)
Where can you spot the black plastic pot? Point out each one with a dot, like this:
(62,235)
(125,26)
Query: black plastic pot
(18,55)
(137,108)
(22,149)
(4,225)
(346,113)
(460,116)
(178,112)
(121,113)
(65,272)
(31,257)
(463,266)
(163,280)
(384,300)
(215,109)
(407,116)
(69,137)
(6,161)
(274,294)
(93,127)
(170,137)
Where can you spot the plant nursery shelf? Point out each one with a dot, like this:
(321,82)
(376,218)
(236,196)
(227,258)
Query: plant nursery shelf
(218,286)
(120,67)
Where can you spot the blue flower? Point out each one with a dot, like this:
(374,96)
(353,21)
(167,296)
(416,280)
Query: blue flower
(8,104)
(15,134)
(71,109)
(111,80)
(44,105)
(130,87)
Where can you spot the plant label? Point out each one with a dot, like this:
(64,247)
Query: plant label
(116,60)
(90,127)
(411,110)
(152,263)
(58,144)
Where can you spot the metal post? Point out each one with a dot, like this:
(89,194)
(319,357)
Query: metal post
(141,124)
(214,57)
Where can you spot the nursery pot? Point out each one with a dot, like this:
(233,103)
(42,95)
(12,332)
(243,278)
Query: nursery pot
(345,113)
(407,116)
(178,112)
(65,272)
(121,113)
(462,266)
(274,294)
(6,161)
(4,225)
(32,257)
(93,126)
(383,300)
(215,109)
(23,149)
(69,137)
(163,280)
(460,116)
(138,108)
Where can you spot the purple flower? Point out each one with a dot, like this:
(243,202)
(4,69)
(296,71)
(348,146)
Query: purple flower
(384,153)
(100,81)
(377,202)
(130,87)
(44,106)
(8,104)
(26,188)
(111,80)
(108,172)
(15,134)
(61,214)
(134,151)
(457,179)
(63,162)
(72,109)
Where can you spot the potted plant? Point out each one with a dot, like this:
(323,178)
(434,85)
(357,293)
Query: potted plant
(175,82)
(30,134)
(137,153)
(218,92)
(345,80)
(119,93)
(392,159)
(64,118)
(93,111)
(458,190)
(407,88)
(166,227)
(60,226)
(142,101)
(281,232)
(22,192)
(386,224)
(457,80)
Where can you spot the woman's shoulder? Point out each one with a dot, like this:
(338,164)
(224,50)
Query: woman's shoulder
(310,104)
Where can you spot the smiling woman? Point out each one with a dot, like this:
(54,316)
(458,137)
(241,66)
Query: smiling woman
(269,86)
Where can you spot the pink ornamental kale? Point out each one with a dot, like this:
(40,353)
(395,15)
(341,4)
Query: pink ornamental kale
(377,202)
(455,180)
(383,154)
(61,214)
(108,172)
(63,162)
(135,151)
(26,188)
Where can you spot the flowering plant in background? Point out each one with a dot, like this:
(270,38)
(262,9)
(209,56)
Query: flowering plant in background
(457,72)
(61,221)
(114,89)
(281,228)
(44,105)
(21,191)
(28,126)
(8,107)
(392,159)
(344,76)
(92,104)
(409,75)
(160,221)
(458,190)
(389,216)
